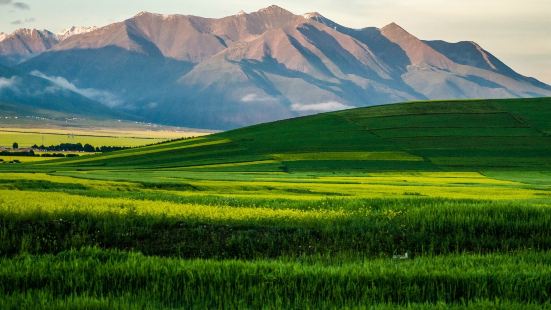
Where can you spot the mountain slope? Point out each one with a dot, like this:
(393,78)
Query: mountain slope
(21,91)
(437,77)
(439,135)
(266,65)
(25,43)
(134,79)
(74,30)
(471,54)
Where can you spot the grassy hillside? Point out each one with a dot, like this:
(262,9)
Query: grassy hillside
(428,205)
(447,135)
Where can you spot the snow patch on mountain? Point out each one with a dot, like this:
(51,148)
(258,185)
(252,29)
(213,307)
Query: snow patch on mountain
(74,30)
(312,15)
(484,55)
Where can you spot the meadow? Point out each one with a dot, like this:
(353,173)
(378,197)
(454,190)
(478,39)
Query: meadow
(428,205)
(28,139)
(29,130)
(129,280)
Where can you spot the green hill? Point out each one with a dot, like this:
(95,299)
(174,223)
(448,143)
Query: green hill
(421,205)
(434,136)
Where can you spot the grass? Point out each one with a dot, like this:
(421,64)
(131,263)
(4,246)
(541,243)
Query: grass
(436,136)
(139,281)
(306,186)
(302,213)
(37,221)
(332,156)
(29,139)
(23,159)
(30,130)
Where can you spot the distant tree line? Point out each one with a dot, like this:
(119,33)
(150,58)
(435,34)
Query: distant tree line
(63,147)
(58,155)
(72,147)
(32,153)
(25,153)
(78,147)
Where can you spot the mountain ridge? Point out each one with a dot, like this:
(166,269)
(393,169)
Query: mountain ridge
(266,65)
(74,30)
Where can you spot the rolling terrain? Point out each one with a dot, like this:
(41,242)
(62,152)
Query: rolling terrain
(433,136)
(422,205)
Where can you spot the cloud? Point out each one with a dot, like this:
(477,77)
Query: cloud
(17,5)
(20,22)
(10,83)
(320,107)
(107,98)
(152,105)
(21,6)
(252,97)
(297,107)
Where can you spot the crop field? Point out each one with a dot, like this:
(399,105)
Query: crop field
(23,159)
(27,139)
(30,130)
(426,205)
(113,137)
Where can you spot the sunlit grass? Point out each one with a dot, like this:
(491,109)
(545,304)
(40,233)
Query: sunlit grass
(29,139)
(458,185)
(22,202)
(347,156)
(24,159)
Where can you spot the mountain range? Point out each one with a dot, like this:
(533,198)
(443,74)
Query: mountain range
(243,69)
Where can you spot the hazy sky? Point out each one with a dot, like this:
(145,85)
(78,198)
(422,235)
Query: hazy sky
(516,31)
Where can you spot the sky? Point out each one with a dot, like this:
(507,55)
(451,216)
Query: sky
(517,32)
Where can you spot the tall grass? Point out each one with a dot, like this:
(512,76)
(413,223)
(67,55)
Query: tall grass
(38,222)
(94,274)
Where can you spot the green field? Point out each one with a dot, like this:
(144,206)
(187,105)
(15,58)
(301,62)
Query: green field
(28,128)
(25,139)
(426,205)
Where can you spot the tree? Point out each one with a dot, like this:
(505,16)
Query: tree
(89,148)
(15,145)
